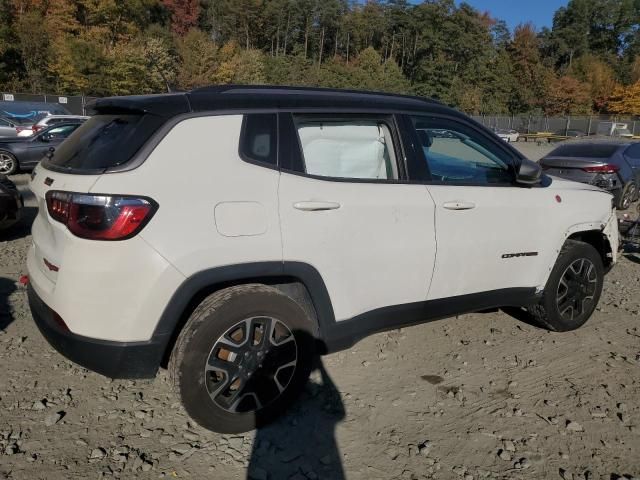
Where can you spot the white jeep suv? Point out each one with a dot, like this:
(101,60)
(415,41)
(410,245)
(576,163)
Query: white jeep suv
(232,233)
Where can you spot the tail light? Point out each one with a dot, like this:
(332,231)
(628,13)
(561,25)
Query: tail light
(606,168)
(100,217)
(35,129)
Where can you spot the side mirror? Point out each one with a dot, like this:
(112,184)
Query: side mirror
(45,138)
(529,173)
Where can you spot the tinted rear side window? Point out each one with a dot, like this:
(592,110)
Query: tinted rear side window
(258,142)
(587,150)
(105,141)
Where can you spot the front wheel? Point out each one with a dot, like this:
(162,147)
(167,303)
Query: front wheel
(242,358)
(573,288)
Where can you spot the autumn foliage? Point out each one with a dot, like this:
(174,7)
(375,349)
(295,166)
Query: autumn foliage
(184,14)
(589,61)
(626,99)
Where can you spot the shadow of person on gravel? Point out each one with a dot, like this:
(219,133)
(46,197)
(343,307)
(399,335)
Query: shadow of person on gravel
(302,442)
(7,287)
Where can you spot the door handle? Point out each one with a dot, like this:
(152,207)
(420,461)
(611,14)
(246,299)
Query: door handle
(311,206)
(459,205)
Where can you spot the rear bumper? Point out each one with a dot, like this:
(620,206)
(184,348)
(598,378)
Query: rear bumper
(109,358)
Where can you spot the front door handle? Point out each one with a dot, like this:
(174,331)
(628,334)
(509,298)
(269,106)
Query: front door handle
(311,206)
(459,205)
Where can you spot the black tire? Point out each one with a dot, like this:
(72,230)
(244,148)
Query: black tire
(9,157)
(627,196)
(561,313)
(210,338)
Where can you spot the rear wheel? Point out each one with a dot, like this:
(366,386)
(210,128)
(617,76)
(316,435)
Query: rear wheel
(628,195)
(242,358)
(573,289)
(8,163)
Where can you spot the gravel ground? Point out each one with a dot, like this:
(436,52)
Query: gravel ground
(478,396)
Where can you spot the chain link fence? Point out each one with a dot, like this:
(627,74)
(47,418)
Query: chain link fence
(75,105)
(574,125)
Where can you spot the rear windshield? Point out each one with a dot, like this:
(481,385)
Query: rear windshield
(104,141)
(585,150)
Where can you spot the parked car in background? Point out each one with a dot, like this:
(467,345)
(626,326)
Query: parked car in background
(571,133)
(25,152)
(614,129)
(611,165)
(312,223)
(11,203)
(508,135)
(10,127)
(51,120)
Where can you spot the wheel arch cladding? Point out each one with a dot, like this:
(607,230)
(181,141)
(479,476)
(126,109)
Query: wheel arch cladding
(598,240)
(297,280)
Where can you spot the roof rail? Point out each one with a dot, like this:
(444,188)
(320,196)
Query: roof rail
(232,88)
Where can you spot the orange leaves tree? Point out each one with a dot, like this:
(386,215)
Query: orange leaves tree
(626,100)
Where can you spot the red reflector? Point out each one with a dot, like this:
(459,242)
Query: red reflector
(100,217)
(50,265)
(24,280)
(607,168)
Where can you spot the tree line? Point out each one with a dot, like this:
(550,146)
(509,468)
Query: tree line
(588,61)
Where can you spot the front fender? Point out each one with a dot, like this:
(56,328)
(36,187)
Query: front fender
(608,229)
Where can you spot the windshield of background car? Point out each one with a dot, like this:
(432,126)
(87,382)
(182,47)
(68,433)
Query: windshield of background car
(105,141)
(59,132)
(587,150)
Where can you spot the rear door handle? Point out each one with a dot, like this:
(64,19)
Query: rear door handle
(311,206)
(459,205)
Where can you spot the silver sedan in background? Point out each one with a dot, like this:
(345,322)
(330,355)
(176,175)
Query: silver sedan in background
(611,165)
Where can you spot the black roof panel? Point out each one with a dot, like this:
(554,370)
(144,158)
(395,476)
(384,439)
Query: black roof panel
(229,97)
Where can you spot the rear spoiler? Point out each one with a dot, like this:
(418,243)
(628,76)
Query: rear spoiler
(165,105)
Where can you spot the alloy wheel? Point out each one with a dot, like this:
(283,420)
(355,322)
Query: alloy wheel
(577,289)
(629,196)
(7,163)
(251,364)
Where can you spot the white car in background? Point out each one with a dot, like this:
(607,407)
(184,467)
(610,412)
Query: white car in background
(49,121)
(507,135)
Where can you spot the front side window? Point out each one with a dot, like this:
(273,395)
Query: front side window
(356,148)
(457,154)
